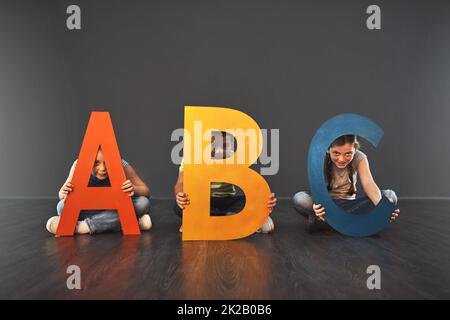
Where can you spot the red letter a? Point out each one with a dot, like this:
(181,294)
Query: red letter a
(99,133)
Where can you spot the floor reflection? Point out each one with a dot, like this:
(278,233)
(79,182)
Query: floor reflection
(224,270)
(108,266)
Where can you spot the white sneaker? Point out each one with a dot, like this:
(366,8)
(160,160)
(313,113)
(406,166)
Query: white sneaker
(145,223)
(52,224)
(82,227)
(267,227)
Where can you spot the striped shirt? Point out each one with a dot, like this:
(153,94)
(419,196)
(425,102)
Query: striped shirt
(218,189)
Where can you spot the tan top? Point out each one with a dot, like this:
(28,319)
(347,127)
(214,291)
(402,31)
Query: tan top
(340,183)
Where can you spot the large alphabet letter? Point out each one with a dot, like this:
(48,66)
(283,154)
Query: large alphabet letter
(358,225)
(99,133)
(198,224)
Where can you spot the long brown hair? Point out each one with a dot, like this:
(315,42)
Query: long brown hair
(328,164)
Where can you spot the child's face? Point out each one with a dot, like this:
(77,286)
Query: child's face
(342,155)
(99,166)
(221,147)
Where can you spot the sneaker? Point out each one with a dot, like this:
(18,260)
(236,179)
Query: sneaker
(181,228)
(82,227)
(145,223)
(267,227)
(52,224)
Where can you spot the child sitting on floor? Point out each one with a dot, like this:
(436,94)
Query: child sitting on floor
(97,221)
(224,200)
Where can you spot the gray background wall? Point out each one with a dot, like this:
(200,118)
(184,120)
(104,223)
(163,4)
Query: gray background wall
(289,64)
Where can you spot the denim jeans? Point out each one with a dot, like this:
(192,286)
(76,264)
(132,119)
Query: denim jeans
(108,220)
(303,203)
(220,206)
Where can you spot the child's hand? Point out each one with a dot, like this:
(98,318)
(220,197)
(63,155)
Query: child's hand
(319,211)
(65,190)
(272,202)
(127,187)
(182,199)
(395,214)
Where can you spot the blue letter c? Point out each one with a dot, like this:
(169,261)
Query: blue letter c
(357,225)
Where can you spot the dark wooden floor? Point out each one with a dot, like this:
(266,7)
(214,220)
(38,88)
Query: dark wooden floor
(413,254)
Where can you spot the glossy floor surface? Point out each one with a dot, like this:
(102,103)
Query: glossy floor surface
(413,255)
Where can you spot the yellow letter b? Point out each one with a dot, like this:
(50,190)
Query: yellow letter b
(201,169)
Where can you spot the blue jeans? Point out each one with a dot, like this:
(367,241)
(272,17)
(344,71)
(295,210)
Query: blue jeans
(303,203)
(108,220)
